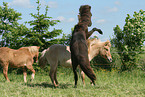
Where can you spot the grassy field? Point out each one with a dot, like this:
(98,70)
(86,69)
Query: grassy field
(126,84)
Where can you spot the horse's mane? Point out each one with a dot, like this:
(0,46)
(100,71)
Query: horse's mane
(92,41)
(98,43)
(33,49)
(85,14)
(108,43)
(43,52)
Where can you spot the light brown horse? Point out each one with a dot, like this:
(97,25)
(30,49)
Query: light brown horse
(61,54)
(20,58)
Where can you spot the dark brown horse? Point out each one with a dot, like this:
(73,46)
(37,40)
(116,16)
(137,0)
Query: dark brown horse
(20,58)
(78,45)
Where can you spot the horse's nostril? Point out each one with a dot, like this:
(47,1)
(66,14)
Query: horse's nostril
(110,59)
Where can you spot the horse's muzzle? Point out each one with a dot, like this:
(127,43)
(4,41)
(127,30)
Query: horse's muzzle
(109,59)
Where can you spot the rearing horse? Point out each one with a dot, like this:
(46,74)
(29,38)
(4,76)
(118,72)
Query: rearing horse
(22,57)
(78,45)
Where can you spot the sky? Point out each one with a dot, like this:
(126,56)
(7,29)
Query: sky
(106,14)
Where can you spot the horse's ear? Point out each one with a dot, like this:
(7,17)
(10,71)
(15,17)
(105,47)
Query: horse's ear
(89,7)
(79,18)
(107,43)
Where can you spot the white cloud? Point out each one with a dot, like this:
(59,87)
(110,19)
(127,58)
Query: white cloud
(101,21)
(61,18)
(114,9)
(21,3)
(71,20)
(117,3)
(52,4)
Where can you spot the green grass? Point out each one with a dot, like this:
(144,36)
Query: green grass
(108,84)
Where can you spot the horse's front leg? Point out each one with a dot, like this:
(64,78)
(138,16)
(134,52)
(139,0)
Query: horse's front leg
(33,74)
(83,77)
(92,31)
(30,67)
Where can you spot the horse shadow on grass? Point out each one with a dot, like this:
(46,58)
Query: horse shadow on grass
(48,85)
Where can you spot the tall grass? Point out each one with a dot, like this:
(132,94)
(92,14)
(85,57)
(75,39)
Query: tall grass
(108,84)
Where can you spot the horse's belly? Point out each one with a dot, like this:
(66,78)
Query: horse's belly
(17,65)
(67,64)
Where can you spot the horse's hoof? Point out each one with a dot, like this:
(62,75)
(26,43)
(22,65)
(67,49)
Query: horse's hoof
(75,86)
(31,80)
(56,86)
(7,81)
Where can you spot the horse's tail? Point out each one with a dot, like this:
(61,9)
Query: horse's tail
(42,60)
(85,66)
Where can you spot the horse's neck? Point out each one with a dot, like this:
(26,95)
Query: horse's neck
(33,51)
(33,54)
(94,50)
(92,53)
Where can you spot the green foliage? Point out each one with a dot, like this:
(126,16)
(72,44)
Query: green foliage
(129,41)
(10,30)
(15,35)
(39,34)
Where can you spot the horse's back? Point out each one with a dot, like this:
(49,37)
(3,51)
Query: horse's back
(79,48)
(22,55)
(58,53)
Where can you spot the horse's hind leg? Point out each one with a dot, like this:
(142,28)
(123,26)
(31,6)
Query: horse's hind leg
(55,76)
(52,74)
(5,72)
(75,75)
(74,65)
(25,74)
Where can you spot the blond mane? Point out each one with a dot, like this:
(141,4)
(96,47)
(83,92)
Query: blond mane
(92,41)
(108,43)
(96,44)
(33,49)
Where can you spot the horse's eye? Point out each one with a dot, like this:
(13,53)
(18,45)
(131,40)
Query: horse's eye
(106,49)
(92,44)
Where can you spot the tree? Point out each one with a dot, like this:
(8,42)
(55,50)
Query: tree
(129,41)
(39,34)
(10,30)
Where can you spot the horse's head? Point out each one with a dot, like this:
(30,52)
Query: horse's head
(105,51)
(85,14)
(34,50)
(42,60)
(95,47)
